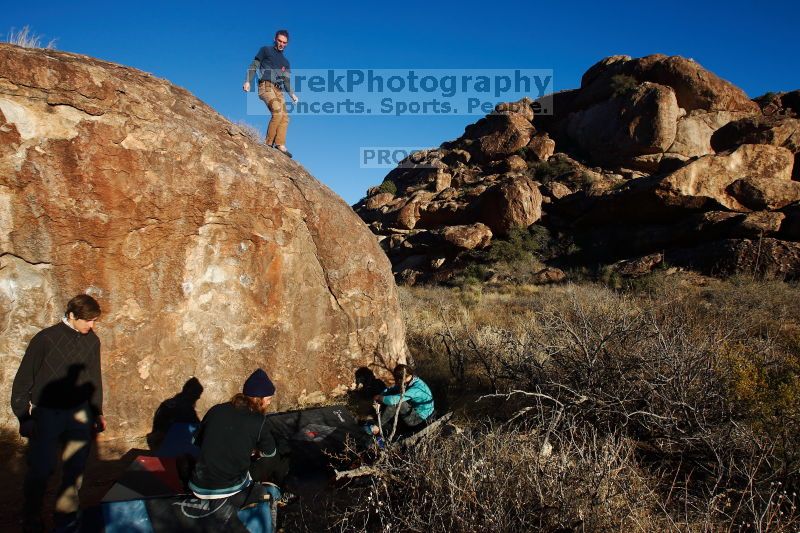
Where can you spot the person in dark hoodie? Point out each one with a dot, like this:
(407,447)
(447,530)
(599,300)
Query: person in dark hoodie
(57,395)
(229,436)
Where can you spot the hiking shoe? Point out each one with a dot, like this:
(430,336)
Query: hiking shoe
(284,151)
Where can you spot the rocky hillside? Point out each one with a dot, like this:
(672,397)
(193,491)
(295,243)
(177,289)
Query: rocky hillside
(652,161)
(210,254)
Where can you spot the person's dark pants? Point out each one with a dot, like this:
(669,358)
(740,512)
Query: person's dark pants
(72,429)
(273,469)
(408,416)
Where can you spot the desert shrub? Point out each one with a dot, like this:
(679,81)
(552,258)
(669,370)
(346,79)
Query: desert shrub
(699,377)
(388,186)
(474,273)
(702,377)
(547,171)
(505,479)
(521,243)
(622,84)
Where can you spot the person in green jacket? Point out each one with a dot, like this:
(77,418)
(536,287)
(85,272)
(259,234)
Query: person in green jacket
(409,395)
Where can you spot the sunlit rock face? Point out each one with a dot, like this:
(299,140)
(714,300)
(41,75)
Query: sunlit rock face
(210,254)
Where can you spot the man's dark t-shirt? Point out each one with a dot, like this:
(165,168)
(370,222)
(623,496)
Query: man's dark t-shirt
(271,65)
(227,436)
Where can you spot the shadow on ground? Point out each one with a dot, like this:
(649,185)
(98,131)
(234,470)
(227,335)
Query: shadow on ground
(107,461)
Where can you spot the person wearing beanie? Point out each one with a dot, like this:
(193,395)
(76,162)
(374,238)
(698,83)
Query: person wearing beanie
(229,436)
(258,385)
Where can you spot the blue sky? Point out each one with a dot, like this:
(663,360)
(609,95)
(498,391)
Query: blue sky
(206,46)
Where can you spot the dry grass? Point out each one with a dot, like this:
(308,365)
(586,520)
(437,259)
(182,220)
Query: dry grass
(504,479)
(250,131)
(673,406)
(26,38)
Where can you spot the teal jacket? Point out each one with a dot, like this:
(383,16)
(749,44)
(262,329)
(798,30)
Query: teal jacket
(418,396)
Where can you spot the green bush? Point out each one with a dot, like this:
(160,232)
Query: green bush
(521,243)
(474,273)
(547,171)
(622,84)
(388,186)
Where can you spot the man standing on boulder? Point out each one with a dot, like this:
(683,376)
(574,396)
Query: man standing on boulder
(273,72)
(57,396)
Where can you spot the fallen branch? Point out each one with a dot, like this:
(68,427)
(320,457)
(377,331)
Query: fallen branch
(360,472)
(400,403)
(412,440)
(525,393)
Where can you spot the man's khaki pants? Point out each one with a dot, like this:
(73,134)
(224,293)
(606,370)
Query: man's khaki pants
(273,97)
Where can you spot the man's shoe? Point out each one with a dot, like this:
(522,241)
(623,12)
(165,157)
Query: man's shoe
(285,152)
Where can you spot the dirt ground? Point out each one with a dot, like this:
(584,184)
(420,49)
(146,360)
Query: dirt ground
(107,461)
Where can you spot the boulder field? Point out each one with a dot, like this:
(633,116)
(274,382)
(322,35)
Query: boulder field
(650,158)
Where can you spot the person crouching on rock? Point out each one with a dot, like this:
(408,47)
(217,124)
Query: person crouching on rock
(229,435)
(410,396)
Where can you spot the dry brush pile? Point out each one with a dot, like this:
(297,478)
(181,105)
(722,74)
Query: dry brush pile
(674,408)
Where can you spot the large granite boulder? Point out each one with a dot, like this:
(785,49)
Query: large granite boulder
(498,135)
(513,203)
(468,237)
(694,86)
(210,254)
(540,147)
(752,177)
(694,132)
(766,257)
(763,173)
(642,121)
(776,130)
(657,157)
